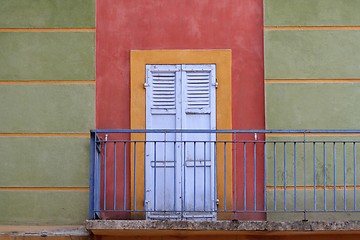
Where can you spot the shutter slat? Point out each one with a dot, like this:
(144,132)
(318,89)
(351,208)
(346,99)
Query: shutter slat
(198,89)
(163,89)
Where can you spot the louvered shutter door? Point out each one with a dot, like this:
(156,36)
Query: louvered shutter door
(180,177)
(199,112)
(162,103)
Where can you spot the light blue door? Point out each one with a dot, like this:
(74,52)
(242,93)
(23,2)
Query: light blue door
(180,167)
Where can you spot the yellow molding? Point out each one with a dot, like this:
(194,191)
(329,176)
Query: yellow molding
(312,80)
(80,135)
(222,59)
(311,28)
(45,82)
(47,29)
(44,189)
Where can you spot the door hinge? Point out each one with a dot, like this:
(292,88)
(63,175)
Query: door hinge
(216,84)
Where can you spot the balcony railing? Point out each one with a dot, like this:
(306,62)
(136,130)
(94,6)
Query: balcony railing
(224,174)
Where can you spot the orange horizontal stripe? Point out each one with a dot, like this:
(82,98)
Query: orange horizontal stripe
(312,134)
(44,189)
(47,29)
(271,188)
(304,28)
(312,80)
(82,135)
(17,82)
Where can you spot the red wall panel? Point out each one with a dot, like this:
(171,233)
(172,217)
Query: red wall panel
(124,25)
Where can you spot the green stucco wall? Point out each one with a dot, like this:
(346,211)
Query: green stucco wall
(311,12)
(47,56)
(312,54)
(311,82)
(312,105)
(47,101)
(47,14)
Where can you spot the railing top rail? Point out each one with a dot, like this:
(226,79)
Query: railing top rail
(299,131)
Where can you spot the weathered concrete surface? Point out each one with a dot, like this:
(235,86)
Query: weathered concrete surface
(99,226)
(43,231)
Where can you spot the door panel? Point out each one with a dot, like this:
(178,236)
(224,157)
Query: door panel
(180,174)
(198,111)
(162,176)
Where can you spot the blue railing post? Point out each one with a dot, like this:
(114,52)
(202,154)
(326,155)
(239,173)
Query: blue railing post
(92,174)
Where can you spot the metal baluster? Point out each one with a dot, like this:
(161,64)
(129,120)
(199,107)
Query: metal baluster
(146,207)
(225,161)
(314,162)
(255,182)
(304,176)
(184,184)
(194,176)
(135,183)
(354,156)
(344,152)
(175,174)
(204,176)
(164,178)
(325,177)
(114,175)
(265,177)
(155,177)
(245,177)
(295,191)
(285,176)
(235,175)
(275,176)
(125,176)
(105,190)
(334,158)
(215,202)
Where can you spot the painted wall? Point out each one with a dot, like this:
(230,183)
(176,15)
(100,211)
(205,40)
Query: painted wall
(231,24)
(124,25)
(47,80)
(312,71)
(47,105)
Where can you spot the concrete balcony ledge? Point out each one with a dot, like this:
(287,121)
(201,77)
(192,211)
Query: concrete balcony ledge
(166,227)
